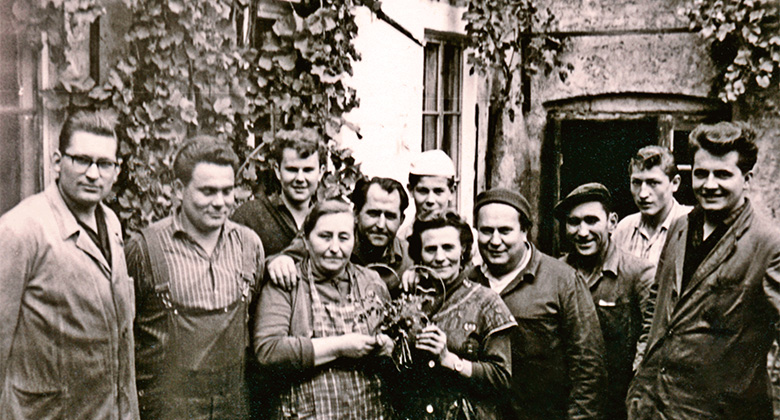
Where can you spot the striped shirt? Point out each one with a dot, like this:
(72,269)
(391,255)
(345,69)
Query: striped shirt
(198,280)
(631,234)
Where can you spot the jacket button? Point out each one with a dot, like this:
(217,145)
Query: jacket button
(429,409)
(663,370)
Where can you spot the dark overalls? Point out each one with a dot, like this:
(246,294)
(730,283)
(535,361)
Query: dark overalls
(197,372)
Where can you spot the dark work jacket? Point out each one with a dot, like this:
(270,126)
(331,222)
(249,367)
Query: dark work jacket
(707,351)
(624,303)
(270,219)
(558,369)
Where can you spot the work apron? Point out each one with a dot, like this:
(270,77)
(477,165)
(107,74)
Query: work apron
(201,373)
(339,390)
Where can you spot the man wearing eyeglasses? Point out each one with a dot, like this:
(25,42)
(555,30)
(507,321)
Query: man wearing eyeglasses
(66,301)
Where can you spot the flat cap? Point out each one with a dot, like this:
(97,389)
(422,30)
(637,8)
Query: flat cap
(433,163)
(503,196)
(592,191)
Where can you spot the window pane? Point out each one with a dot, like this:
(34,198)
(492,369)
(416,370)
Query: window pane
(680,147)
(431,75)
(451,136)
(429,132)
(452,75)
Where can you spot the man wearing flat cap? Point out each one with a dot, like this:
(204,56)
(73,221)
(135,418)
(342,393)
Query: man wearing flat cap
(619,283)
(557,352)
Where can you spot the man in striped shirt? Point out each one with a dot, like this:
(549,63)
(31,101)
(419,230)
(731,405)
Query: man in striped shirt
(654,180)
(195,273)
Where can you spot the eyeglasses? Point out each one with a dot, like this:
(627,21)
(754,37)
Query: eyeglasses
(82,163)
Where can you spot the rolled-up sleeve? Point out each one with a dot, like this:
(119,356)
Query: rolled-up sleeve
(274,346)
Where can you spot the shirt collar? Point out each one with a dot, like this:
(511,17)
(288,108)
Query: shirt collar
(69,225)
(641,227)
(512,274)
(178,224)
(608,266)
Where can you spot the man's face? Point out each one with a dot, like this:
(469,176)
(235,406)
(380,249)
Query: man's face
(331,242)
(653,191)
(432,196)
(588,227)
(719,185)
(500,238)
(81,179)
(441,250)
(298,176)
(380,217)
(208,198)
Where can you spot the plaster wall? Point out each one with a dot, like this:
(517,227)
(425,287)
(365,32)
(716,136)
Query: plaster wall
(622,49)
(389,84)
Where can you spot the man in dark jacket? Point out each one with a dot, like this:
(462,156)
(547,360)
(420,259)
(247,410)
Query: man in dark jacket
(619,282)
(276,218)
(718,295)
(557,351)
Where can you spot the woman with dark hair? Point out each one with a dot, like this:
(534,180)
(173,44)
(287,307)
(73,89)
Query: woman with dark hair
(468,339)
(319,338)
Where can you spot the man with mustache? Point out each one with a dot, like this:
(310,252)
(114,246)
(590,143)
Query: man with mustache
(718,299)
(618,282)
(654,180)
(66,301)
(379,211)
(195,274)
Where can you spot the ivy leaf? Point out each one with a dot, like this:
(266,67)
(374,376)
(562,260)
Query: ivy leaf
(286,62)
(763,81)
(222,105)
(284,26)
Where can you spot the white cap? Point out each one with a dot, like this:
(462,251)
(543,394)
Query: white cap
(433,163)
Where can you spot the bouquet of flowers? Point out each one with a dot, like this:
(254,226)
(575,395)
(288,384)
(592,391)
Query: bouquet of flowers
(405,316)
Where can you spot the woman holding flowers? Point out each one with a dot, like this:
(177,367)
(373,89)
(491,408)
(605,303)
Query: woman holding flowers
(467,340)
(319,339)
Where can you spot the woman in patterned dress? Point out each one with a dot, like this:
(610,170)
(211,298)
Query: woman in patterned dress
(467,341)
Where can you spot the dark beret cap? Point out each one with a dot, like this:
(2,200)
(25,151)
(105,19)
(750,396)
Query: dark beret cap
(504,196)
(585,193)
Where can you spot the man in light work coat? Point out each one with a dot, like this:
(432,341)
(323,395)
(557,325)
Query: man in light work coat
(195,275)
(557,350)
(718,296)
(618,281)
(66,301)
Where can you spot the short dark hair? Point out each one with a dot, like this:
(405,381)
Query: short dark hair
(651,156)
(304,148)
(360,193)
(414,179)
(448,218)
(724,137)
(322,208)
(202,149)
(101,122)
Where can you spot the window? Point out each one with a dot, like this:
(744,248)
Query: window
(442,91)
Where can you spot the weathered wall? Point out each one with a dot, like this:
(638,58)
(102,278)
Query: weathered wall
(389,84)
(631,48)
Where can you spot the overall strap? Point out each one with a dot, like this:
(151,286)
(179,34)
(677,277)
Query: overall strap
(158,267)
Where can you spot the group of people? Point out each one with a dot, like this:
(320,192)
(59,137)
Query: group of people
(274,309)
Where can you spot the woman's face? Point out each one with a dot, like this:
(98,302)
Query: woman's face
(331,242)
(441,251)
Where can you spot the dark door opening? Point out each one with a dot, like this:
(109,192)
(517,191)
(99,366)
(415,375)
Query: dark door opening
(599,151)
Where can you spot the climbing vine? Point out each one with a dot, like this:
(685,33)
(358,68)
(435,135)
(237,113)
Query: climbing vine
(183,70)
(508,41)
(745,39)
